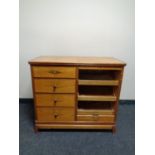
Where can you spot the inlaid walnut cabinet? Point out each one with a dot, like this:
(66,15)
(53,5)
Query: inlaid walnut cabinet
(76,92)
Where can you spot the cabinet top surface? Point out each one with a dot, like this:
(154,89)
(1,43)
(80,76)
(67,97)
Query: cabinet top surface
(76,60)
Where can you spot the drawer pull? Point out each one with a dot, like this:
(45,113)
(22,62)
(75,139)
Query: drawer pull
(54,72)
(54,88)
(55,102)
(56,116)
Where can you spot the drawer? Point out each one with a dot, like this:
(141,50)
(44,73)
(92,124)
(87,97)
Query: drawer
(55,114)
(98,112)
(56,100)
(96,118)
(54,85)
(54,72)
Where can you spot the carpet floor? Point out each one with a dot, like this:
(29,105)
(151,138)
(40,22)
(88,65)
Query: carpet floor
(77,142)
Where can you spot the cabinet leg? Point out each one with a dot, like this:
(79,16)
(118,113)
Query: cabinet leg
(114,129)
(35,129)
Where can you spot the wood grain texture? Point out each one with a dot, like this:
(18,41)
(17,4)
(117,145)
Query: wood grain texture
(96,118)
(55,114)
(54,72)
(99,82)
(94,111)
(54,85)
(117,91)
(33,91)
(96,98)
(112,68)
(56,100)
(74,60)
(64,88)
(74,126)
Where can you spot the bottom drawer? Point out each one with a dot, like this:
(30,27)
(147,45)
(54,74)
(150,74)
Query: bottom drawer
(96,118)
(55,114)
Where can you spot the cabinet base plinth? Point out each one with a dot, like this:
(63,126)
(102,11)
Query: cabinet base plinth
(74,126)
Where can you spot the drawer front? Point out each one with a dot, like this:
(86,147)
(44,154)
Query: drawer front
(93,112)
(96,118)
(56,100)
(54,72)
(54,85)
(55,114)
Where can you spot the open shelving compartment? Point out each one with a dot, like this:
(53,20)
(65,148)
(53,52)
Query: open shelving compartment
(99,75)
(96,99)
(97,91)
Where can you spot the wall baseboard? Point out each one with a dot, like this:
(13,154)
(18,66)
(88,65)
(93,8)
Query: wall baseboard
(30,101)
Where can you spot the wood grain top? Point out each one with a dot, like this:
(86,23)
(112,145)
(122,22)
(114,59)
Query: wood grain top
(76,60)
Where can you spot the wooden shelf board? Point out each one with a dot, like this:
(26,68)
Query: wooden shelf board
(99,82)
(96,98)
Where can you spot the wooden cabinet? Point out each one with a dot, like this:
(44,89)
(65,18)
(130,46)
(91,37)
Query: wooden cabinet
(76,92)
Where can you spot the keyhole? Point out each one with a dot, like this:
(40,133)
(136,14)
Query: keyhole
(55,102)
(55,116)
(54,88)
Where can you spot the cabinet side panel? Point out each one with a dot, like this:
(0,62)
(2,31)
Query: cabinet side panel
(117,91)
(33,91)
(76,93)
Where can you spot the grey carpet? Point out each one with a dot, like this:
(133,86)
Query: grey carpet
(78,142)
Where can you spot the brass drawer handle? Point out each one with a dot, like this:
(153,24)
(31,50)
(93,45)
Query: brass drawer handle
(54,72)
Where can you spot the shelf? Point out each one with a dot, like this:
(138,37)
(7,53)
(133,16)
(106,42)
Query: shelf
(96,90)
(96,98)
(98,75)
(95,105)
(99,82)
(94,111)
